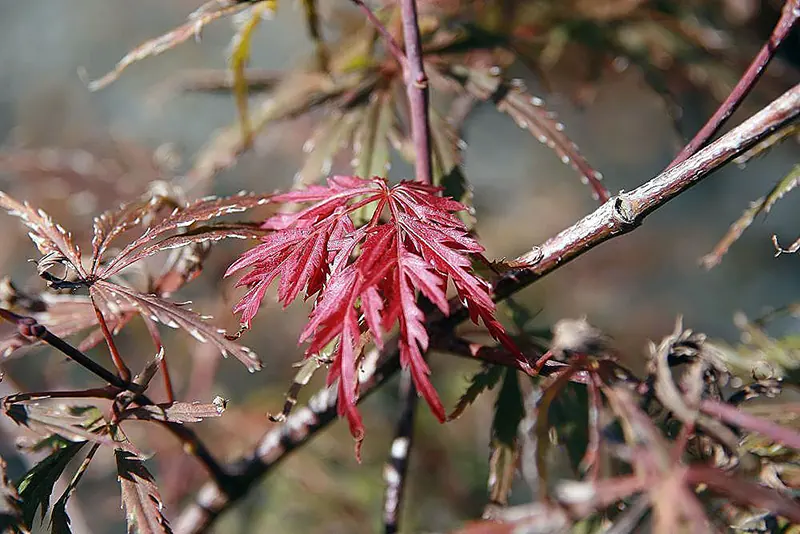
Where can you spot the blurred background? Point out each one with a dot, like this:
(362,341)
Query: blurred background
(76,153)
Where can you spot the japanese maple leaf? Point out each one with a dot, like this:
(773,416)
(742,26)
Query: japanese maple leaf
(366,279)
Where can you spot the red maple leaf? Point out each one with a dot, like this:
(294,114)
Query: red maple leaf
(366,279)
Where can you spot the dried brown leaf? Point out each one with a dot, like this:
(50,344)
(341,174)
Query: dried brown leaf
(529,113)
(204,15)
(762,205)
(175,412)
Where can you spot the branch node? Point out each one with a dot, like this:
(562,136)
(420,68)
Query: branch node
(623,211)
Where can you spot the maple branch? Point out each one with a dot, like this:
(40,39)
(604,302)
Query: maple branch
(300,426)
(29,327)
(395,470)
(391,43)
(417,90)
(618,216)
(626,211)
(192,444)
(788,19)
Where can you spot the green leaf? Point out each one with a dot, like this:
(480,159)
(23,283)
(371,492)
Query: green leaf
(509,410)
(59,520)
(36,485)
(569,417)
(485,379)
(238,63)
(543,425)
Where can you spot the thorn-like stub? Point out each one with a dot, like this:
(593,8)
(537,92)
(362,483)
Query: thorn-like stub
(624,211)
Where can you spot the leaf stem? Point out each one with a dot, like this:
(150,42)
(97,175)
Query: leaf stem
(119,363)
(788,19)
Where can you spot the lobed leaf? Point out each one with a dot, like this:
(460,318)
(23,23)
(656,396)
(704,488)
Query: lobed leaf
(421,248)
(509,410)
(196,235)
(175,316)
(36,485)
(49,237)
(198,211)
(485,379)
(174,412)
(63,314)
(75,423)
(113,223)
(202,16)
(59,520)
(140,496)
(762,205)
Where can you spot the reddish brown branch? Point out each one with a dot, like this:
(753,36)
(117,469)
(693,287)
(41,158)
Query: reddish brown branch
(417,90)
(618,216)
(789,16)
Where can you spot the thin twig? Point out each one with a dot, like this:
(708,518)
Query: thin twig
(29,327)
(789,16)
(394,472)
(191,442)
(616,217)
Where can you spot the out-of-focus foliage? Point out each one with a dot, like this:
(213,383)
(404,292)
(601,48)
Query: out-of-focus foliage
(603,446)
